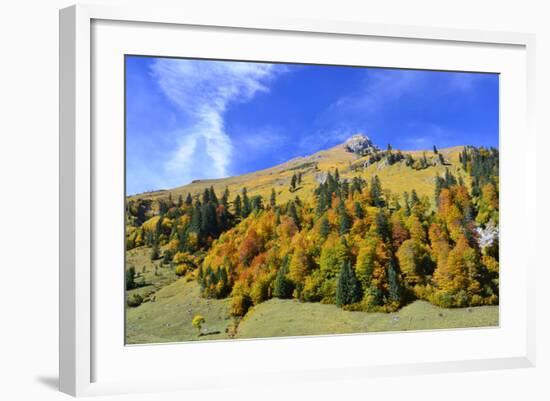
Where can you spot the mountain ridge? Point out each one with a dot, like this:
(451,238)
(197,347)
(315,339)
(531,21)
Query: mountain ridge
(351,158)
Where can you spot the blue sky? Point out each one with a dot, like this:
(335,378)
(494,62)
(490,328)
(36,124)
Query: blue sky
(193,119)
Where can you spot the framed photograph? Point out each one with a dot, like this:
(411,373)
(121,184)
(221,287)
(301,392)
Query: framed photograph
(241,192)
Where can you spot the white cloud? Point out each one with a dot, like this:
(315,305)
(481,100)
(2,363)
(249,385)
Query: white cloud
(380,88)
(202,91)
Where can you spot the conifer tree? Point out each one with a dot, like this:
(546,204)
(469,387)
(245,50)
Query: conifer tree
(237,204)
(155,251)
(206,195)
(293,182)
(395,289)
(376,191)
(324,229)
(180,201)
(348,289)
(225,198)
(359,210)
(383,227)
(345,219)
(246,204)
(213,196)
(415,200)
(188,199)
(282,286)
(273,198)
(294,214)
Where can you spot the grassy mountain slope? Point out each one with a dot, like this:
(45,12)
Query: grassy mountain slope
(397,177)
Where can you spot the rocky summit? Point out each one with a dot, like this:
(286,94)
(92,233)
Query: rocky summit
(361,145)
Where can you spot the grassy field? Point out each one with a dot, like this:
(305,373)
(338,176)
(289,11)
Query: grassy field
(151,275)
(276,318)
(168,318)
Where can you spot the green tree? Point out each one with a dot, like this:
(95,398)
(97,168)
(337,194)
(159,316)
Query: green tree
(246,204)
(376,191)
(273,198)
(345,219)
(324,229)
(348,289)
(293,182)
(282,286)
(395,289)
(188,199)
(155,252)
(130,278)
(294,214)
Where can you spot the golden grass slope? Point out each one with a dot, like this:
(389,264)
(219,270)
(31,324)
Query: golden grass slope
(397,177)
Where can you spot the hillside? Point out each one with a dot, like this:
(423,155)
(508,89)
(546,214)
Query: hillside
(168,318)
(344,237)
(397,177)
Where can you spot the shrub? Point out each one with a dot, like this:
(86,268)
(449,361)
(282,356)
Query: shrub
(134,300)
(197,322)
(181,270)
(240,305)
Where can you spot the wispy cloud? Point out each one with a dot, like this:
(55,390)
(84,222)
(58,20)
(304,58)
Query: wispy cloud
(379,88)
(202,91)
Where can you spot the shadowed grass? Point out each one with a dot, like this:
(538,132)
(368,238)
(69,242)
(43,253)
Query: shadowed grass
(276,318)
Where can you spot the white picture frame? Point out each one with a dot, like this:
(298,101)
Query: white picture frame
(82,344)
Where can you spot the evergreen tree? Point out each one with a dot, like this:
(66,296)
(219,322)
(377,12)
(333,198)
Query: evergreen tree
(435,150)
(383,226)
(293,182)
(188,199)
(246,204)
(395,289)
(237,204)
(155,252)
(376,191)
(348,289)
(282,286)
(225,198)
(406,203)
(415,200)
(206,196)
(213,196)
(256,203)
(130,278)
(345,219)
(324,229)
(209,223)
(337,176)
(196,219)
(273,198)
(358,210)
(294,214)
(180,201)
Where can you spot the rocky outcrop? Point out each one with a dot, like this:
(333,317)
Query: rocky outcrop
(360,145)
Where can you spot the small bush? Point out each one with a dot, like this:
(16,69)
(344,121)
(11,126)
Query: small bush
(240,305)
(134,300)
(181,270)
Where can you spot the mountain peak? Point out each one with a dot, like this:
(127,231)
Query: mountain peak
(361,145)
